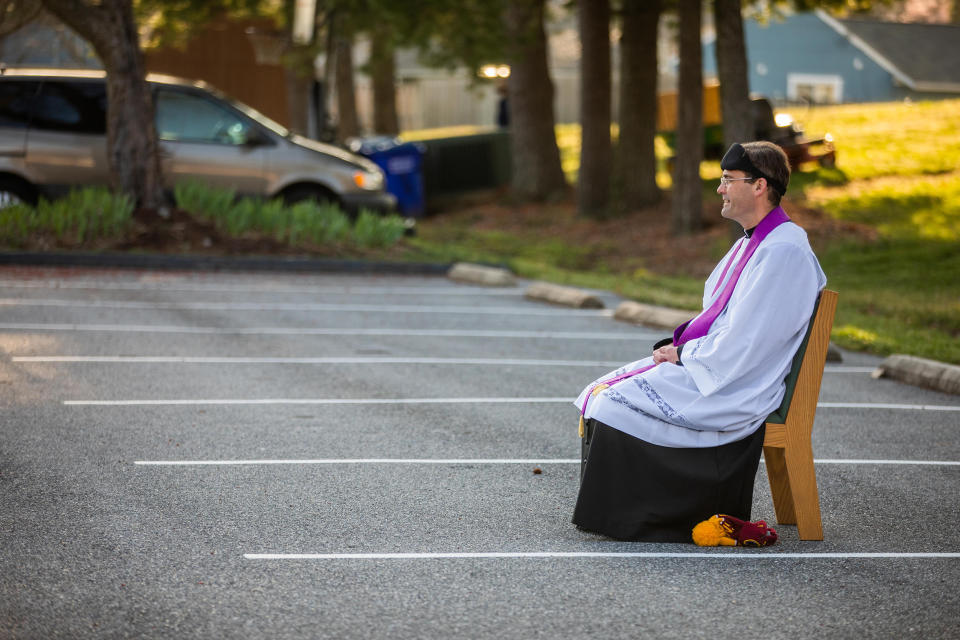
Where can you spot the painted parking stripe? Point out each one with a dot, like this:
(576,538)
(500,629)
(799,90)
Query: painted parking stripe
(534,400)
(465,290)
(357,461)
(323,331)
(319,401)
(346,360)
(470,461)
(882,405)
(304,360)
(707,555)
(280,306)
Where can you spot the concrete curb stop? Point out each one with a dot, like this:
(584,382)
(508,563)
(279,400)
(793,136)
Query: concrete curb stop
(661,317)
(834,354)
(920,372)
(479,274)
(566,296)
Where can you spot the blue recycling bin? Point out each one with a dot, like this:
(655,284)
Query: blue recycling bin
(402,162)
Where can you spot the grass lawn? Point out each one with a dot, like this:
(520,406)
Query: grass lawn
(885,223)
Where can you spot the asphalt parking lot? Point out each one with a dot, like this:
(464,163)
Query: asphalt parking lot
(224,455)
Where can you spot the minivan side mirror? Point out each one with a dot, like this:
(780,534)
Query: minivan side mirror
(256,138)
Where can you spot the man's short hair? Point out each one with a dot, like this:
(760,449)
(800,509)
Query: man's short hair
(772,161)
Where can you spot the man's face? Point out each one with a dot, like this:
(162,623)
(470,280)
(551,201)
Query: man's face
(736,189)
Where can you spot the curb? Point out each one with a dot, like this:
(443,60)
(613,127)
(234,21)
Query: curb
(660,317)
(218,263)
(920,372)
(566,296)
(482,275)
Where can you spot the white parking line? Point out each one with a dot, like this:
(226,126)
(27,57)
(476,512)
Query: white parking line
(539,400)
(352,461)
(465,290)
(706,555)
(321,331)
(346,360)
(472,461)
(281,306)
(881,405)
(304,360)
(319,401)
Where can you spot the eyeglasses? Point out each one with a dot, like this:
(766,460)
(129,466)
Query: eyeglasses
(725,181)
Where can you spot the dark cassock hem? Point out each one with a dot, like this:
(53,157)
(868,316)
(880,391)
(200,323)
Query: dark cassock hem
(633,490)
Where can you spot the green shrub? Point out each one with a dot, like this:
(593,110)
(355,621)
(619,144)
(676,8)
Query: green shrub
(374,232)
(82,216)
(95,214)
(205,202)
(323,223)
(17,223)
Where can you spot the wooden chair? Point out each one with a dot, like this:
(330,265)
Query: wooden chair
(787,450)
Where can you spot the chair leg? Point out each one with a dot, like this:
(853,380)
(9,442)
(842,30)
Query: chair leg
(775,461)
(803,486)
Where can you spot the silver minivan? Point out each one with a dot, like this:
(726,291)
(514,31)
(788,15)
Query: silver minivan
(53,138)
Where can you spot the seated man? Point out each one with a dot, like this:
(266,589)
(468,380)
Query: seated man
(675,438)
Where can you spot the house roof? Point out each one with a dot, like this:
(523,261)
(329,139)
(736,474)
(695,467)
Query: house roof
(924,57)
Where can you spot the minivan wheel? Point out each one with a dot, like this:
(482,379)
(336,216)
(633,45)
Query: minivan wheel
(304,193)
(15,191)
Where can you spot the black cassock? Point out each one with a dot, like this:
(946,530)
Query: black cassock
(633,490)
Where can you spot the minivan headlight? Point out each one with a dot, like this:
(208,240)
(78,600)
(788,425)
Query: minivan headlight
(369,180)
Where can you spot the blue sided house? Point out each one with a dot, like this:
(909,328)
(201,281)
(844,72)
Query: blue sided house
(814,57)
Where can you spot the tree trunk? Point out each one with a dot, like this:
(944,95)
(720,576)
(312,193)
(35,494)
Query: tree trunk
(299,86)
(348,125)
(383,74)
(131,133)
(734,83)
(593,187)
(732,72)
(537,174)
(687,199)
(14,14)
(636,159)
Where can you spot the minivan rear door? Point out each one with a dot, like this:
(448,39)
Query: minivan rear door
(16,104)
(67,139)
(203,139)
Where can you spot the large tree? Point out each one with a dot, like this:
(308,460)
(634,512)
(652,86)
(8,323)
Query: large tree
(384,77)
(732,71)
(636,167)
(687,198)
(109,27)
(14,14)
(593,186)
(537,173)
(348,124)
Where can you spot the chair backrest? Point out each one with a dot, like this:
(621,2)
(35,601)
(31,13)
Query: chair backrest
(780,415)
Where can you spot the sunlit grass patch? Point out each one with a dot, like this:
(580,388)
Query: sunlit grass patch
(859,337)
(895,139)
(903,293)
(901,207)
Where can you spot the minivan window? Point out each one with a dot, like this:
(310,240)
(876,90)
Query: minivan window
(191,118)
(16,99)
(77,107)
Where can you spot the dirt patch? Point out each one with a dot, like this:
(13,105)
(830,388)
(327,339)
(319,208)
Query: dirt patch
(180,232)
(641,239)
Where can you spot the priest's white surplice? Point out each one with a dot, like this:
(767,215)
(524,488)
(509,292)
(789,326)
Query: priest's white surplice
(733,377)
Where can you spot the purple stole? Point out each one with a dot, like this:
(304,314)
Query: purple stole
(700,325)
